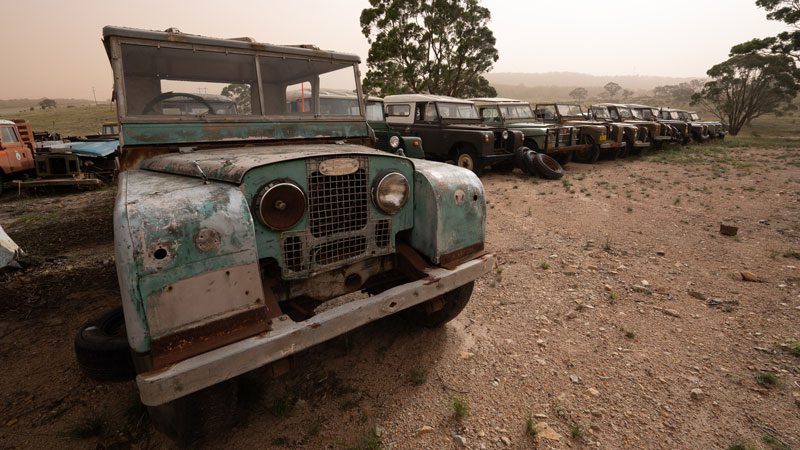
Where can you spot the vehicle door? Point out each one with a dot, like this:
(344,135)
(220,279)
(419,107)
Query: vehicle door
(428,127)
(16,156)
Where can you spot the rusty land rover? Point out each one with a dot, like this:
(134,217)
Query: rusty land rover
(232,227)
(599,136)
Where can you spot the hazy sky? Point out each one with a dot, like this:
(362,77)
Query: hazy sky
(56,51)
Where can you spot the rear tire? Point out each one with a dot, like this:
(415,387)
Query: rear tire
(101,348)
(547,167)
(199,415)
(454,303)
(590,155)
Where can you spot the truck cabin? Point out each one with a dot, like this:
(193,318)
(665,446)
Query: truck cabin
(176,90)
(552,112)
(500,110)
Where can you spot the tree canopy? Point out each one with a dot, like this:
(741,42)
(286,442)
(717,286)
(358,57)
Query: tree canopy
(436,46)
(612,89)
(747,86)
(785,43)
(579,94)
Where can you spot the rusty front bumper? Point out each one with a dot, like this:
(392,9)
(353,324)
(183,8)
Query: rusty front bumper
(611,144)
(288,337)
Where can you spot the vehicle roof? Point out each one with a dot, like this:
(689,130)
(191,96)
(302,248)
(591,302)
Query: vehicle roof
(323,93)
(6,122)
(404,98)
(674,109)
(636,105)
(493,100)
(176,36)
(618,105)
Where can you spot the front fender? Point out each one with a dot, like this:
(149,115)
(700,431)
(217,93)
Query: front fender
(450,212)
(412,147)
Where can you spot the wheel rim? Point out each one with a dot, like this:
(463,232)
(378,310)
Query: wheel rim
(465,161)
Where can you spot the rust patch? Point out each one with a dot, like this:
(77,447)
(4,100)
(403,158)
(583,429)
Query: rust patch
(410,263)
(179,346)
(453,259)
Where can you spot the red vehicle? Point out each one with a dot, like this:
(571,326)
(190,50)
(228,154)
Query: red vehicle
(16,153)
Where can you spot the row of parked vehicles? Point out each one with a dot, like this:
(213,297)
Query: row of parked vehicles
(236,227)
(501,133)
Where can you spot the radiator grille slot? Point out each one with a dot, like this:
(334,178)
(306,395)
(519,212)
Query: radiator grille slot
(338,250)
(382,233)
(337,203)
(293,253)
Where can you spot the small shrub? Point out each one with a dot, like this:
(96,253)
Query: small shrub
(794,349)
(417,376)
(460,408)
(630,334)
(530,427)
(544,265)
(766,379)
(576,431)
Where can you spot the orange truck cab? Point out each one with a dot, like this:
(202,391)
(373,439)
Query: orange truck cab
(16,155)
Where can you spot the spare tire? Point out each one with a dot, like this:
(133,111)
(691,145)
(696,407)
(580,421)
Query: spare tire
(519,158)
(101,348)
(547,167)
(527,162)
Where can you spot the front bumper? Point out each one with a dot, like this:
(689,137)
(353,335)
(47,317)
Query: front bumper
(641,144)
(663,138)
(566,149)
(611,144)
(287,337)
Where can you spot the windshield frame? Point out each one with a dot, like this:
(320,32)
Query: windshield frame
(442,118)
(570,109)
(115,49)
(607,114)
(531,116)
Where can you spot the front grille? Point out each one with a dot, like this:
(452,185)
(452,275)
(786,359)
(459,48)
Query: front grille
(340,230)
(337,203)
(499,142)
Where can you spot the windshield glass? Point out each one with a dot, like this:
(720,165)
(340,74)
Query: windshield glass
(624,113)
(162,81)
(601,112)
(457,110)
(517,111)
(569,110)
(375,111)
(674,115)
(683,116)
(637,114)
(695,116)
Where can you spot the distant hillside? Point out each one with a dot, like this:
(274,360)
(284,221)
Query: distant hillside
(574,79)
(21,104)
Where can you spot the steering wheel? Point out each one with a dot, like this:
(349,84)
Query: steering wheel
(148,108)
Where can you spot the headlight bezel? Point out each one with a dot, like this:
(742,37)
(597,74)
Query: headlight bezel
(394,142)
(379,186)
(268,212)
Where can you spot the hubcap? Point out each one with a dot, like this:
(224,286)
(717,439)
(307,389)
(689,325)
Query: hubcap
(465,161)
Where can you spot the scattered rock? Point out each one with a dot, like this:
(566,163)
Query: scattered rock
(728,230)
(467,355)
(607,287)
(505,441)
(696,394)
(460,441)
(750,276)
(572,314)
(543,431)
(645,283)
(425,429)
(594,392)
(697,295)
(661,253)
(574,378)
(540,416)
(667,311)
(642,290)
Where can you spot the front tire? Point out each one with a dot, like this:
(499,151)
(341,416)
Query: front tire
(589,155)
(101,348)
(438,311)
(468,159)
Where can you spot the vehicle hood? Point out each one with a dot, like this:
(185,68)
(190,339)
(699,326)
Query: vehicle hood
(91,149)
(231,164)
(469,126)
(511,124)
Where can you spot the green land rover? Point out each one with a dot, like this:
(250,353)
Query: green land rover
(232,227)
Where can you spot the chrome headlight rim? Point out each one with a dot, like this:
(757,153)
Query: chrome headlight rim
(394,142)
(268,209)
(379,191)
(505,134)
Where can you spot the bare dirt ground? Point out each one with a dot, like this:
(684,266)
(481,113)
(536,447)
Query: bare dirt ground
(617,317)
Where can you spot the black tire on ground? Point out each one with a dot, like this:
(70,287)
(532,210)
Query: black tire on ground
(590,155)
(547,167)
(527,162)
(101,348)
(454,303)
(519,157)
(468,158)
(199,415)
(563,158)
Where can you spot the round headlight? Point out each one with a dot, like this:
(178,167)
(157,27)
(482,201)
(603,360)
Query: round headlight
(505,134)
(394,142)
(390,192)
(280,205)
